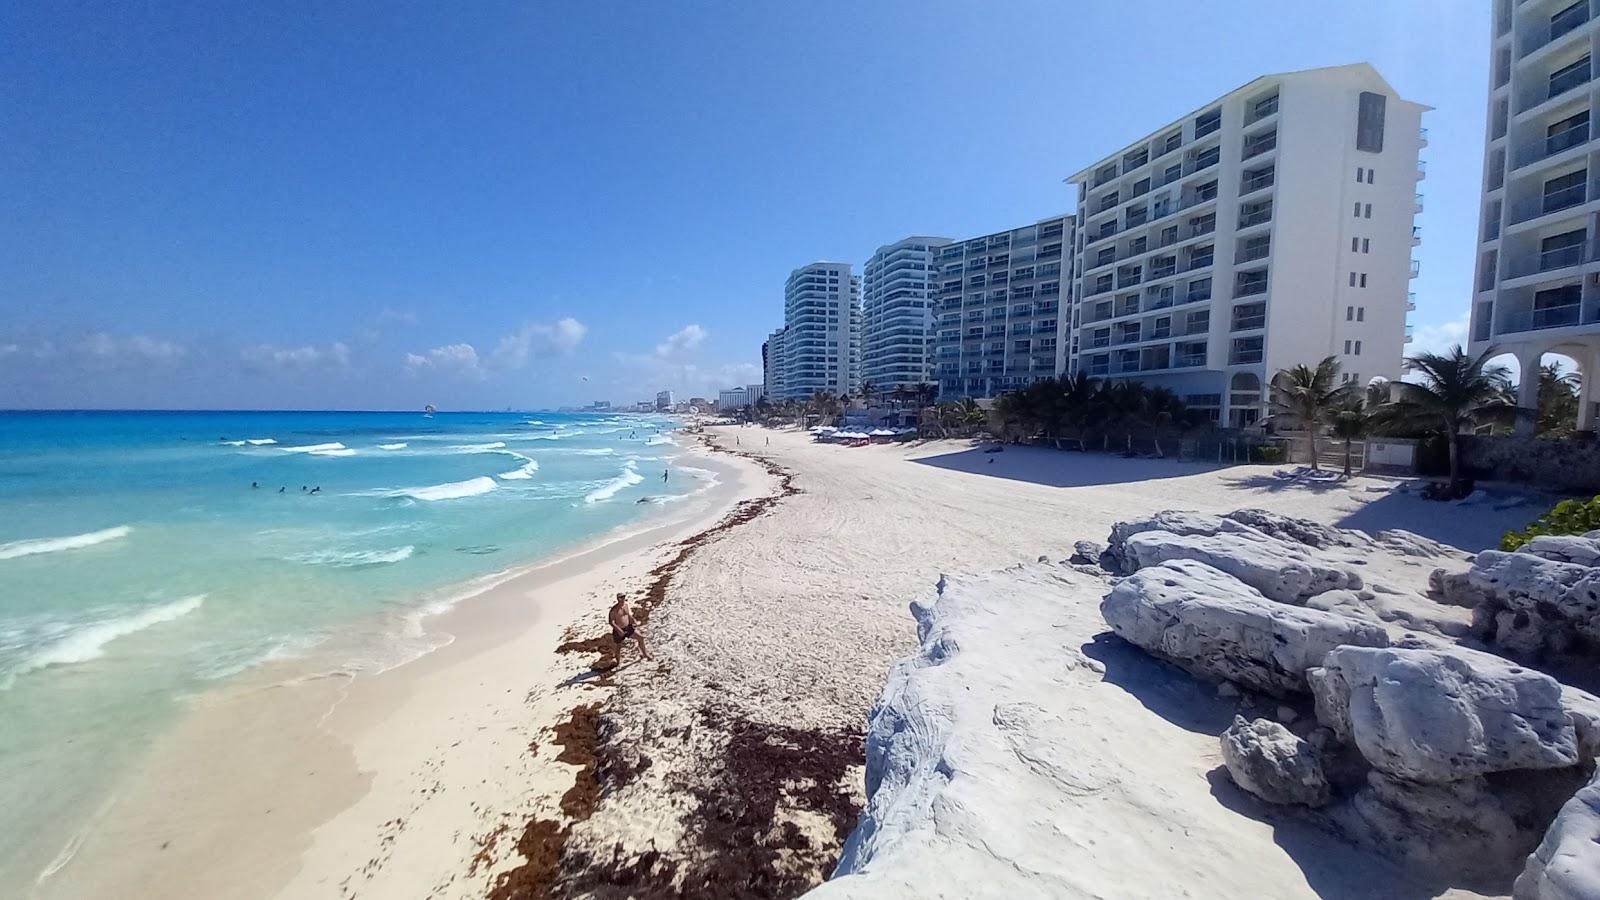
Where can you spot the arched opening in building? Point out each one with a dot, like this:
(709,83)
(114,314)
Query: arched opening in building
(1244,400)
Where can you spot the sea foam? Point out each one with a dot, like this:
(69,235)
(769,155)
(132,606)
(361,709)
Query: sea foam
(529,466)
(630,476)
(453,490)
(314,448)
(89,641)
(353,559)
(342,451)
(399,446)
(259,442)
(70,542)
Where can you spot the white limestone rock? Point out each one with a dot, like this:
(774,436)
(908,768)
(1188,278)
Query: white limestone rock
(1458,828)
(1267,760)
(1285,572)
(1087,552)
(1299,531)
(1408,543)
(1215,626)
(1437,715)
(1174,521)
(1577,549)
(1566,865)
(1454,588)
(1521,579)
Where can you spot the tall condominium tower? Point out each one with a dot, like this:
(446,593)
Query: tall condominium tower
(999,308)
(897,290)
(822,331)
(1270,228)
(772,365)
(1537,286)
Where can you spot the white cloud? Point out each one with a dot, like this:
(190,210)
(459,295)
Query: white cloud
(1439,337)
(454,359)
(398,316)
(684,340)
(537,339)
(297,359)
(104,345)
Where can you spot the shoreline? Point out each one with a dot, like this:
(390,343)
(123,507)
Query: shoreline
(301,779)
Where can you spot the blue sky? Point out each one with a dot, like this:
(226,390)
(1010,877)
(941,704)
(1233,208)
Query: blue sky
(379,205)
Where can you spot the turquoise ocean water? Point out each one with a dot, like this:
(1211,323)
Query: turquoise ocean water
(139,566)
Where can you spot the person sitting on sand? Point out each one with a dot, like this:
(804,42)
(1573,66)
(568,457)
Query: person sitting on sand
(623,626)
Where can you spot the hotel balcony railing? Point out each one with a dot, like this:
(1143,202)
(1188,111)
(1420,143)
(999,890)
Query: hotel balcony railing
(1419,203)
(1255,218)
(1569,19)
(1163,271)
(1251,254)
(1552,260)
(1416,267)
(1100,369)
(1564,140)
(1537,319)
(1245,323)
(1411,301)
(1099,342)
(1259,146)
(1197,296)
(1422,169)
(1128,279)
(1199,262)
(1210,127)
(1258,182)
(1161,302)
(1562,199)
(1565,82)
(1422,135)
(1188,360)
(1244,357)
(1250,288)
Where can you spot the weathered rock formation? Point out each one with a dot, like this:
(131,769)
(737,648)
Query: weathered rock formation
(1566,866)
(1266,759)
(1213,625)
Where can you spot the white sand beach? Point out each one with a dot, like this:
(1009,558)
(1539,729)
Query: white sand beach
(730,766)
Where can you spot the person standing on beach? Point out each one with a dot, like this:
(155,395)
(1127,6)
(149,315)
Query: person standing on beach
(623,626)
(664,473)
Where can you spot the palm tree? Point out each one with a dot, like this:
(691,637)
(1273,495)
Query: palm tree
(1558,401)
(866,392)
(1309,396)
(1457,391)
(1350,422)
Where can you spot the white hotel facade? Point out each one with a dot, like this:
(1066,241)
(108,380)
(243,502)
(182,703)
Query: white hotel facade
(999,320)
(1537,284)
(1269,228)
(819,346)
(897,300)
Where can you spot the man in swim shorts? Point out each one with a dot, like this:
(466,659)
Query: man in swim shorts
(623,626)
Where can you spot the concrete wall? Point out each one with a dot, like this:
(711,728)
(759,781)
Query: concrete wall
(1555,465)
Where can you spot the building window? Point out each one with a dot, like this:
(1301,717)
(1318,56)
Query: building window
(1354,244)
(1349,313)
(1366,245)
(1346,348)
(1358,348)
(1363,279)
(1361,314)
(1352,279)
(1368,211)
(1564,191)
(1369,121)
(1358,209)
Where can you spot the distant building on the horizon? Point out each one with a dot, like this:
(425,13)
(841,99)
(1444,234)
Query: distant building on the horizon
(753,393)
(772,365)
(999,317)
(897,299)
(1270,228)
(663,401)
(821,338)
(732,398)
(1537,284)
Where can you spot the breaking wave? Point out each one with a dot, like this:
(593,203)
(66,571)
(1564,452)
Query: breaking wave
(630,476)
(70,542)
(314,448)
(89,641)
(453,490)
(352,559)
(399,446)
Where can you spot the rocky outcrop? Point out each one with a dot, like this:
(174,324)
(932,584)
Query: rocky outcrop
(1279,570)
(1540,600)
(1578,549)
(1566,865)
(1266,759)
(1440,716)
(1213,625)
(1460,828)
(1454,589)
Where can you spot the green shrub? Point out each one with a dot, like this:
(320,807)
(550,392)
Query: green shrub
(1566,517)
(1269,455)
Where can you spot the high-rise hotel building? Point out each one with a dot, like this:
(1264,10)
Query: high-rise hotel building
(998,324)
(1269,228)
(1537,284)
(819,346)
(897,300)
